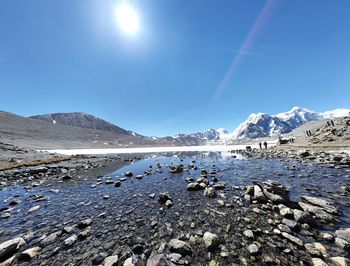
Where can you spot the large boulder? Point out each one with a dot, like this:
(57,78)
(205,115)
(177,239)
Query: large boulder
(9,247)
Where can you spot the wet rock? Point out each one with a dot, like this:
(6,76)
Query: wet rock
(176,169)
(128,174)
(83,234)
(181,247)
(317,212)
(111,261)
(274,192)
(84,223)
(33,209)
(303,217)
(68,229)
(164,197)
(117,183)
(194,186)
(303,153)
(70,240)
(30,253)
(66,177)
(10,247)
(258,194)
(209,192)
(15,202)
(326,205)
(219,186)
(211,240)
(5,215)
(169,203)
(49,239)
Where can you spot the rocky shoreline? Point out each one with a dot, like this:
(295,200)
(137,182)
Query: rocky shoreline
(269,207)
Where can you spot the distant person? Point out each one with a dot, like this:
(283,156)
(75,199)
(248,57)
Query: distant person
(260,145)
(265,145)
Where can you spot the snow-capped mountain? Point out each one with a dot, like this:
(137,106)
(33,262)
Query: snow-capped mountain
(260,125)
(341,112)
(208,135)
(265,125)
(298,116)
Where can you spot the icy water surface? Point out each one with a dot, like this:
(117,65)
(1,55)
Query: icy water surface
(127,215)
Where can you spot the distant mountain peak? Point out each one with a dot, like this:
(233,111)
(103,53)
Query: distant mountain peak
(264,125)
(80,119)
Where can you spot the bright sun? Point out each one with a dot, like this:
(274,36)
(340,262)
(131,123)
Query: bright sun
(127,19)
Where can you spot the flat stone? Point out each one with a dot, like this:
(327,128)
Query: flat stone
(317,211)
(326,205)
(292,239)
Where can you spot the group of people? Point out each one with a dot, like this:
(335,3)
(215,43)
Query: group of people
(265,145)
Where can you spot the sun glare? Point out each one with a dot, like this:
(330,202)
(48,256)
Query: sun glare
(127,19)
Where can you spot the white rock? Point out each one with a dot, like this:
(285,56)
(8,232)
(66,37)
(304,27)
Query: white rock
(318,262)
(71,240)
(210,240)
(30,253)
(340,261)
(111,261)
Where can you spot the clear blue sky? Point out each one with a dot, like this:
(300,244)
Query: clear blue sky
(193,64)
